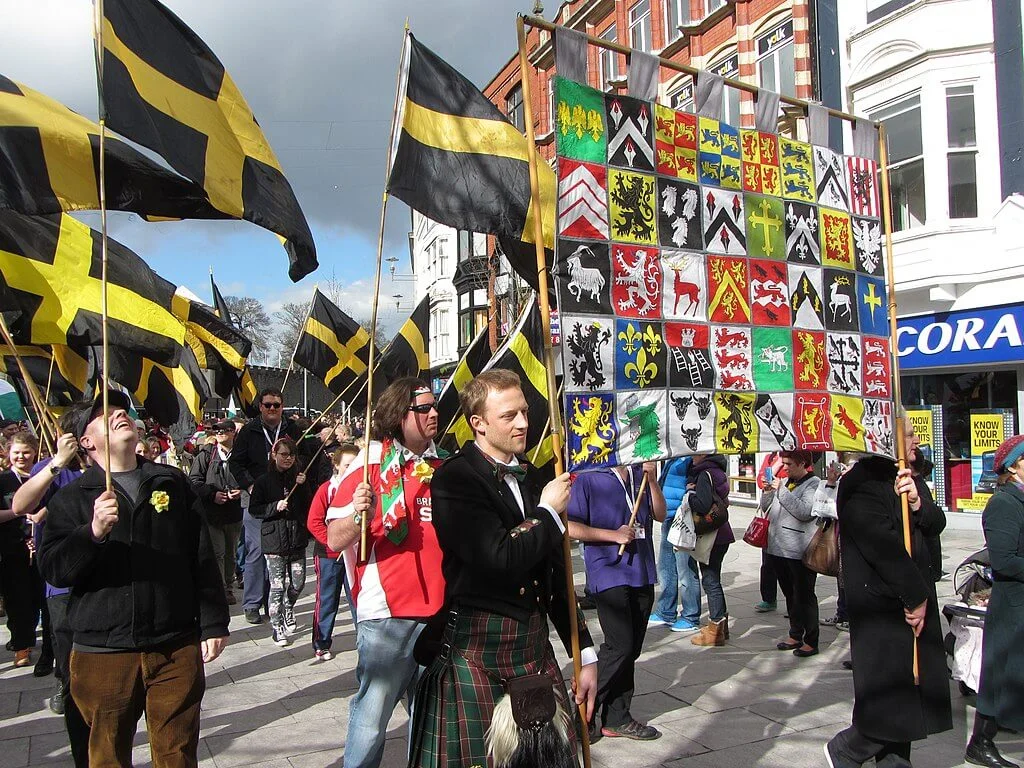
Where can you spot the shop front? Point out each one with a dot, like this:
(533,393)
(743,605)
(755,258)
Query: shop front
(962,377)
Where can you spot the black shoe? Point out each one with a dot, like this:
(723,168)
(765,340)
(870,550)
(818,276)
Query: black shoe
(585,602)
(982,751)
(848,665)
(56,702)
(43,667)
(801,653)
(252,615)
(10,645)
(633,730)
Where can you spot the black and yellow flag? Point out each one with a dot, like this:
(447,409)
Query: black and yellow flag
(458,160)
(50,269)
(245,393)
(60,374)
(449,415)
(408,354)
(50,157)
(165,89)
(173,395)
(218,346)
(523,353)
(332,346)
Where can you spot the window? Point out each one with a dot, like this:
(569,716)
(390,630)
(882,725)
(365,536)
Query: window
(470,324)
(552,106)
(681,98)
(514,108)
(442,261)
(710,6)
(609,59)
(442,335)
(677,14)
(879,8)
(776,67)
(730,68)
(640,26)
(962,155)
(465,245)
(902,123)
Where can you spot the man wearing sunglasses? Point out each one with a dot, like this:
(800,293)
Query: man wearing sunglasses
(247,463)
(398,585)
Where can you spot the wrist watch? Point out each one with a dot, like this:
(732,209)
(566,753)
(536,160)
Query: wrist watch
(357,518)
(55,468)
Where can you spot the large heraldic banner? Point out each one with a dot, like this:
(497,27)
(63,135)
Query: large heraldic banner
(719,289)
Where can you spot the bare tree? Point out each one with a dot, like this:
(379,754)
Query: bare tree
(290,318)
(252,320)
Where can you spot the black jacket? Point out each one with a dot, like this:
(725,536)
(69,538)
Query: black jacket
(154,578)
(208,475)
(251,450)
(282,533)
(881,581)
(493,559)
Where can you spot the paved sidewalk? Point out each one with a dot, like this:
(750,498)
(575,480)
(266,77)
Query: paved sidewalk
(742,705)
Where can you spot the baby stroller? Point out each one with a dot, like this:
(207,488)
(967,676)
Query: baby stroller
(973,583)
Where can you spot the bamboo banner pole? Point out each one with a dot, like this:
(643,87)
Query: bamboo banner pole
(47,427)
(104,310)
(897,396)
(609,45)
(49,377)
(549,366)
(363,524)
(291,360)
(636,509)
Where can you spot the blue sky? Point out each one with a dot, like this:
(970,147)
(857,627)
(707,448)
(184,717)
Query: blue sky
(320,78)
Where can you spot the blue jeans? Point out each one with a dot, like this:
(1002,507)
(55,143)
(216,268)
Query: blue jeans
(254,573)
(711,578)
(330,580)
(386,671)
(677,574)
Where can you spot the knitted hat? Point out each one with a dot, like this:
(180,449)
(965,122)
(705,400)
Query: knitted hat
(1009,452)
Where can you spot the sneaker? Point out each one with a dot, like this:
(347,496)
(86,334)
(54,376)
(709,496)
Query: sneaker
(765,607)
(632,730)
(656,621)
(56,701)
(280,638)
(290,627)
(842,626)
(323,653)
(683,625)
(23,658)
(252,615)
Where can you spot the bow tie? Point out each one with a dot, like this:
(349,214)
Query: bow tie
(518,471)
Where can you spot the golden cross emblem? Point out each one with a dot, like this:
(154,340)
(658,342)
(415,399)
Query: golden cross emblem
(768,224)
(873,300)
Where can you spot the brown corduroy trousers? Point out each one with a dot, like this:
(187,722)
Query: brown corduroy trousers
(112,691)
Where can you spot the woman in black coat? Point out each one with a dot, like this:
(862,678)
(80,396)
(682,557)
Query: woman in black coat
(890,596)
(281,499)
(1001,691)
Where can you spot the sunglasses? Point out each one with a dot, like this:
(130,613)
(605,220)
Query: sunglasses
(423,407)
(223,431)
(271,406)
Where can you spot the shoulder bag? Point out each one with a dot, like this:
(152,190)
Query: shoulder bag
(822,553)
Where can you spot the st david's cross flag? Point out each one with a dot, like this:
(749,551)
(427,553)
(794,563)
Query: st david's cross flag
(720,290)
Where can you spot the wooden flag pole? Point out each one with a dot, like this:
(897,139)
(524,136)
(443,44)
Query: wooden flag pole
(364,523)
(525,68)
(47,428)
(291,360)
(49,376)
(104,309)
(897,396)
(636,509)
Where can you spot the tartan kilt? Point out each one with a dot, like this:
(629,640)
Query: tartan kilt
(455,697)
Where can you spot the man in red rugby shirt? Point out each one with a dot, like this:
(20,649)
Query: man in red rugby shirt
(399,584)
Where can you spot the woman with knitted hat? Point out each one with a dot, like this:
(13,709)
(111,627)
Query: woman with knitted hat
(1001,691)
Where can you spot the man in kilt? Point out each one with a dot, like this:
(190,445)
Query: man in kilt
(398,585)
(504,578)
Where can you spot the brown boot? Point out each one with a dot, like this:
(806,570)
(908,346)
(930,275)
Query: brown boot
(712,633)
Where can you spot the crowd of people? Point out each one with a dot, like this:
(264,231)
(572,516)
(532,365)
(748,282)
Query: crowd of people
(460,574)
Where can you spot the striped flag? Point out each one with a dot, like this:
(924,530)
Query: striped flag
(449,416)
(332,346)
(407,354)
(60,373)
(863,179)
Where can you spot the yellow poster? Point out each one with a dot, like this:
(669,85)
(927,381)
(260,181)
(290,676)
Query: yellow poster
(923,426)
(986,433)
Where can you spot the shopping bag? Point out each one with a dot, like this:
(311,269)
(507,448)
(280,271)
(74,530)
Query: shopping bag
(822,553)
(756,534)
(682,534)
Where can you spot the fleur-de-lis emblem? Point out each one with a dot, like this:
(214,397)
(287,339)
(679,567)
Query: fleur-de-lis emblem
(642,372)
(652,340)
(631,339)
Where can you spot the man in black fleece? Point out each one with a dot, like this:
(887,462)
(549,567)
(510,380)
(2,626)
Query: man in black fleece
(147,602)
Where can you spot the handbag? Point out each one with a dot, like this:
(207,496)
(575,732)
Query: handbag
(682,534)
(716,517)
(822,553)
(756,534)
